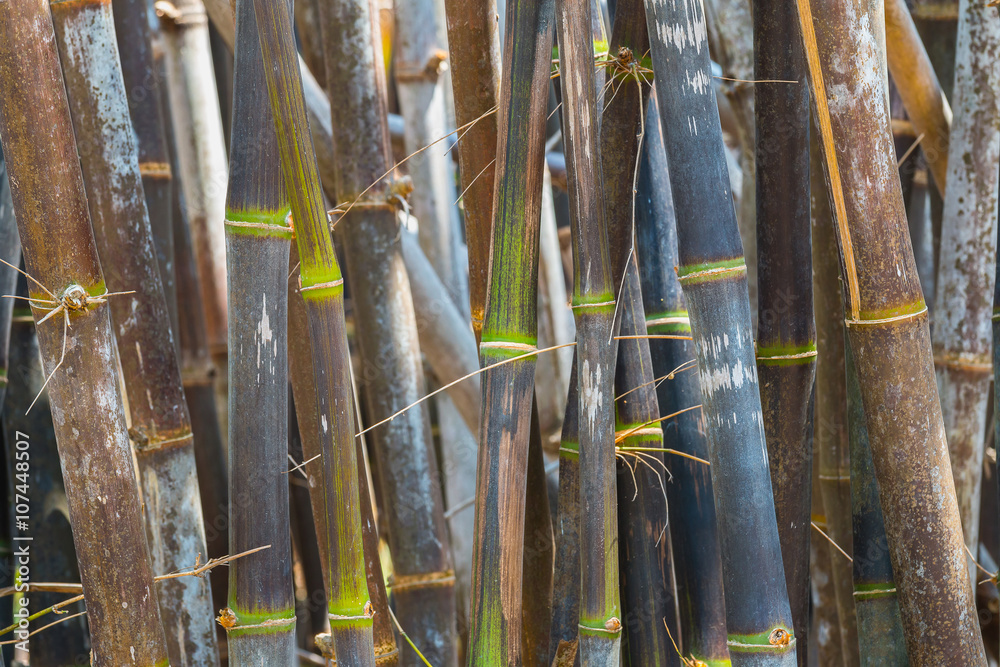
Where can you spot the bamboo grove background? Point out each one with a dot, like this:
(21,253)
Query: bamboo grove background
(499,332)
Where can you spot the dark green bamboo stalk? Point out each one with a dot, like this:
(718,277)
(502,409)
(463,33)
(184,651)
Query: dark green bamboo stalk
(160,427)
(594,309)
(321,287)
(830,412)
(474,43)
(391,373)
(142,85)
(890,338)
(50,203)
(712,273)
(304,390)
(880,629)
(696,550)
(968,243)
(258,239)
(53,555)
(510,330)
(786,335)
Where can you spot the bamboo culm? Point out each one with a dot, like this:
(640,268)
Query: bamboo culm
(50,202)
(261,630)
(697,559)
(510,330)
(889,336)
(880,629)
(962,307)
(391,372)
(786,335)
(712,273)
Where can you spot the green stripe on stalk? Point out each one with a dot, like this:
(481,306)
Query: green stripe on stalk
(787,355)
(912,308)
(570,449)
(694,274)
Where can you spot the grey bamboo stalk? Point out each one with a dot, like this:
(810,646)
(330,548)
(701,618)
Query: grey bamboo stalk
(50,203)
(730,38)
(594,309)
(160,425)
(963,306)
(712,273)
(201,155)
(321,287)
(391,372)
(142,83)
(261,600)
(890,337)
(830,412)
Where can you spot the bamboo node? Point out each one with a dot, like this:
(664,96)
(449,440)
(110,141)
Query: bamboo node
(886,320)
(227,618)
(436,63)
(599,304)
(324,642)
(645,430)
(422,580)
(507,345)
(613,624)
(700,276)
(172,16)
(328,285)
(962,362)
(801,355)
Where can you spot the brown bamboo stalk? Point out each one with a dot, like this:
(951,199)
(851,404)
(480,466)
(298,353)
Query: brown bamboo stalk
(965,281)
(160,426)
(51,204)
(889,334)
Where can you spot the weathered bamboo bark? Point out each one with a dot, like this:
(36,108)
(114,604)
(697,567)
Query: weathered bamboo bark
(53,557)
(786,334)
(962,306)
(594,310)
(474,42)
(304,391)
(10,252)
(880,630)
(258,239)
(712,273)
(918,86)
(539,552)
(142,84)
(50,203)
(887,327)
(696,550)
(160,426)
(201,155)
(391,373)
(830,414)
(321,287)
(509,331)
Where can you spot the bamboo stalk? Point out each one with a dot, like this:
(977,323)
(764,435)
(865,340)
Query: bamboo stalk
(887,327)
(321,287)
(918,86)
(307,25)
(826,620)
(201,156)
(142,83)
(54,558)
(510,330)
(50,203)
(712,273)
(474,42)
(880,630)
(696,550)
(968,243)
(830,426)
(391,370)
(594,310)
(786,334)
(304,390)
(10,252)
(539,552)
(160,426)
(258,238)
